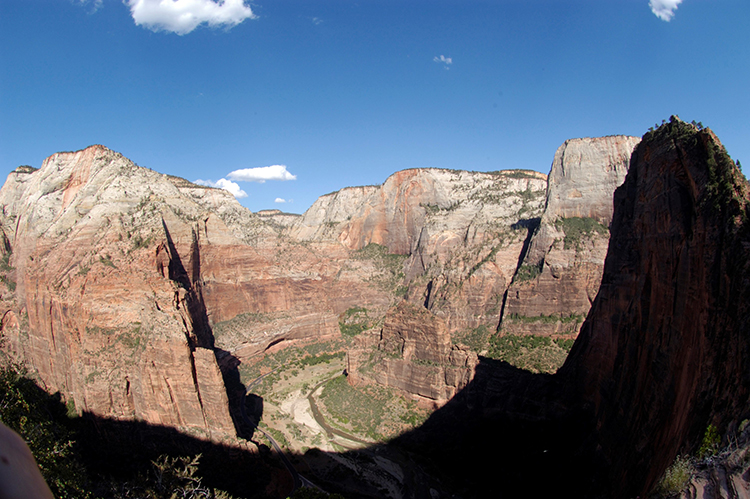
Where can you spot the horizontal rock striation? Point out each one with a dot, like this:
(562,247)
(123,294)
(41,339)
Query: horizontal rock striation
(561,272)
(414,354)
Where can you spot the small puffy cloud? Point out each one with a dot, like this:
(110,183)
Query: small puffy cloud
(183,16)
(444,60)
(279,200)
(664,9)
(225,184)
(261,174)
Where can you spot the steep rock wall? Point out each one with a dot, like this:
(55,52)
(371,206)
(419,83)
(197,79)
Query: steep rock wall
(414,354)
(665,349)
(102,311)
(561,272)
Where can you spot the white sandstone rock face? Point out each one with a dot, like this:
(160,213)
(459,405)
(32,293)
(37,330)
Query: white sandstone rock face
(460,231)
(323,219)
(561,271)
(585,174)
(99,312)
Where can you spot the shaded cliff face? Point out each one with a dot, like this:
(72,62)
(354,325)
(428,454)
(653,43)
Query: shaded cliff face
(665,350)
(561,271)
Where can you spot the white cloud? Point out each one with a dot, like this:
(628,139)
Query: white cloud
(279,200)
(91,5)
(664,9)
(183,16)
(225,184)
(445,60)
(261,174)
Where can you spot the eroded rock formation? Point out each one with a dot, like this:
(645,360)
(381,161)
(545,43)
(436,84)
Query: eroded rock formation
(561,272)
(415,354)
(124,285)
(663,354)
(98,309)
(666,348)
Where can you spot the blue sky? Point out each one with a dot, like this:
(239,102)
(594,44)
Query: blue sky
(331,94)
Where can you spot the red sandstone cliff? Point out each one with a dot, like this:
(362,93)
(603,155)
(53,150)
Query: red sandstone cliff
(102,309)
(124,284)
(415,354)
(129,283)
(665,350)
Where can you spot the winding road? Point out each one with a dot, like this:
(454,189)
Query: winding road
(299,480)
(322,422)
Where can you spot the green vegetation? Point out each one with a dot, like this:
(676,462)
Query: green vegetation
(433,209)
(289,358)
(391,265)
(565,343)
(5,267)
(373,411)
(107,261)
(725,181)
(55,435)
(710,443)
(5,262)
(240,324)
(484,260)
(676,478)
(515,173)
(311,493)
(139,242)
(528,272)
(354,321)
(11,284)
(477,338)
(547,319)
(540,354)
(577,229)
(40,420)
(131,336)
(527,197)
(25,169)
(324,358)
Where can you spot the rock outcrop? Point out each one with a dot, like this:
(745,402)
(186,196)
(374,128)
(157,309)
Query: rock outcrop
(463,233)
(122,283)
(663,353)
(560,274)
(414,354)
(122,286)
(99,303)
(665,350)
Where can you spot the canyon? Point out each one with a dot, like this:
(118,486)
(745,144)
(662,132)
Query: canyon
(138,296)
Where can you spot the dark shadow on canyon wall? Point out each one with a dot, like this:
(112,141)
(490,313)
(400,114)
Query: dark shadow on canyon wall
(123,449)
(509,433)
(663,353)
(115,458)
